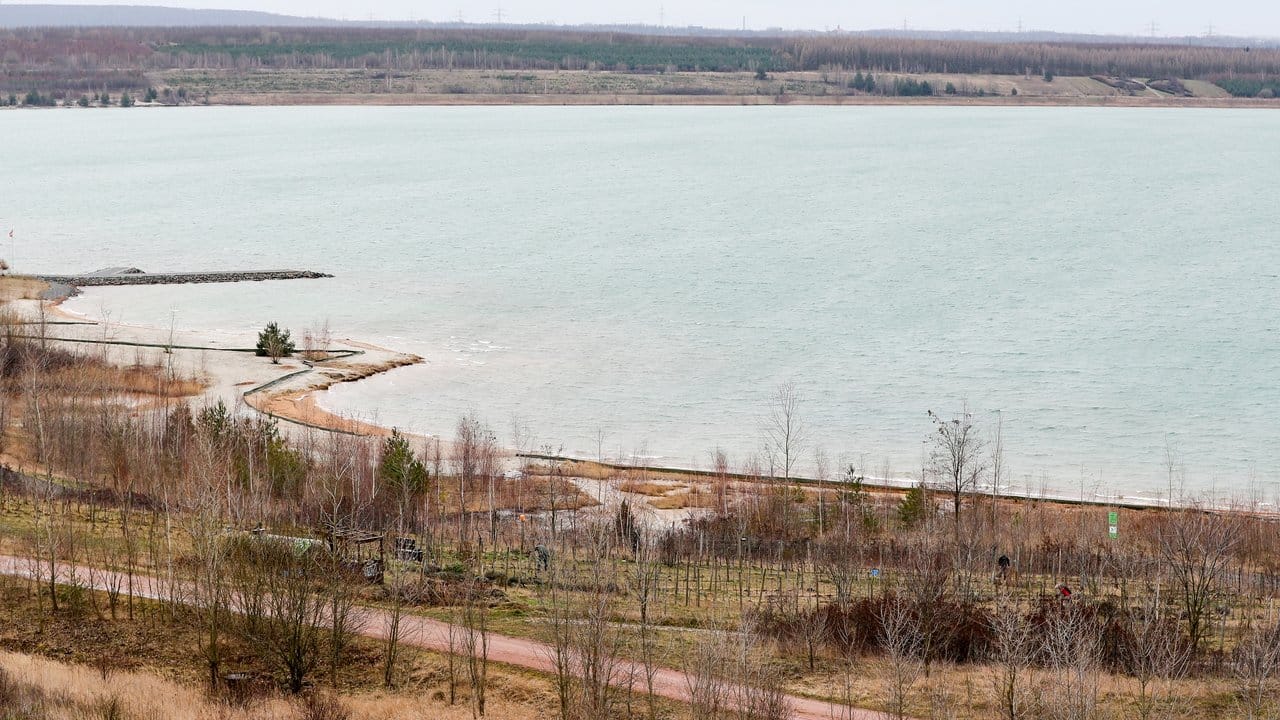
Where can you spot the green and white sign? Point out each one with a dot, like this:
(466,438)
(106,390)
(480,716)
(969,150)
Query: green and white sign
(1113,524)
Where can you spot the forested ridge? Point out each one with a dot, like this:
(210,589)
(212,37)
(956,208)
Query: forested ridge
(69,59)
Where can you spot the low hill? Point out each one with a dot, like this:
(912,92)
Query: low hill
(18,16)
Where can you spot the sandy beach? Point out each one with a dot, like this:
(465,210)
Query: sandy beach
(227,366)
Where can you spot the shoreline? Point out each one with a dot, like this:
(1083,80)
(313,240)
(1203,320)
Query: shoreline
(305,99)
(286,390)
(345,99)
(291,390)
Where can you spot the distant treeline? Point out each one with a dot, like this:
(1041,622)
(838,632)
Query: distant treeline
(956,56)
(1251,87)
(115,57)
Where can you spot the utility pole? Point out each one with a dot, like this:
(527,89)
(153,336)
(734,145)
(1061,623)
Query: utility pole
(662,16)
(497,14)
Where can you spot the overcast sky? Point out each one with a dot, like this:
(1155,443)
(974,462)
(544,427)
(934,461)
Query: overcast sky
(1130,17)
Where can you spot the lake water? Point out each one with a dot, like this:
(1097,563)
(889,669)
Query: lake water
(1107,279)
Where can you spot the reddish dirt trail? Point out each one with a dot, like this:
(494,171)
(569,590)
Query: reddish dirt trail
(434,635)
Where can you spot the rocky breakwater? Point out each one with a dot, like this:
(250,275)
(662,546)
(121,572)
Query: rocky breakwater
(133,276)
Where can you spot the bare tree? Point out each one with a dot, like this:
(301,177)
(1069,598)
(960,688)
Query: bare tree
(1256,666)
(398,587)
(899,636)
(705,665)
(455,645)
(812,629)
(1157,653)
(210,595)
(1071,645)
(927,582)
(720,466)
(958,456)
(822,470)
(757,690)
(784,432)
(340,589)
(1197,547)
(282,615)
(474,456)
(560,646)
(316,341)
(1012,653)
(840,562)
(646,577)
(475,641)
(998,469)
(596,643)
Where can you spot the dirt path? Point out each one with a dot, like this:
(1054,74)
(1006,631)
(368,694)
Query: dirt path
(434,635)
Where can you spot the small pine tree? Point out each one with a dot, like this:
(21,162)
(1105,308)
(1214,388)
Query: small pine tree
(275,343)
(1048,76)
(215,422)
(912,508)
(871,83)
(859,82)
(83,101)
(398,469)
(951,88)
(859,500)
(151,95)
(126,100)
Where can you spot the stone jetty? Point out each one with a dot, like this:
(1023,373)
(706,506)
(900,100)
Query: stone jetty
(134,276)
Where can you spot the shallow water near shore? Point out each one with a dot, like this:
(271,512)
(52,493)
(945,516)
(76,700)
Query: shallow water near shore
(1105,279)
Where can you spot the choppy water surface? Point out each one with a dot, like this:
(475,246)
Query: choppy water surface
(1108,279)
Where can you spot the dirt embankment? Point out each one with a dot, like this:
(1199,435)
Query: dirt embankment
(279,86)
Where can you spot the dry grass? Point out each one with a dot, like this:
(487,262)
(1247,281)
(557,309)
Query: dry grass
(651,489)
(695,497)
(55,691)
(58,691)
(15,287)
(543,493)
(97,379)
(967,691)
